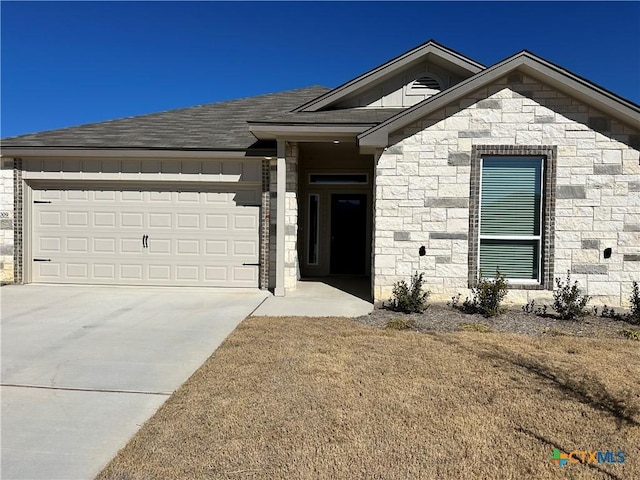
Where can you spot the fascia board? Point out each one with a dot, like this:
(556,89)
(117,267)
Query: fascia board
(272,132)
(118,153)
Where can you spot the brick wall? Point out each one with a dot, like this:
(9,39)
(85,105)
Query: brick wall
(424,179)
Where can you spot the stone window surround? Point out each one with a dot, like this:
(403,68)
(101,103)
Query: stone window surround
(549,153)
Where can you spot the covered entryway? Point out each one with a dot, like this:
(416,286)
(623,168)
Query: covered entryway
(336,204)
(145,234)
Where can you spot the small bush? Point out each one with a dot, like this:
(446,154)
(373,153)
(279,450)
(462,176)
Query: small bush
(538,310)
(475,327)
(631,334)
(568,302)
(634,314)
(401,324)
(409,299)
(488,295)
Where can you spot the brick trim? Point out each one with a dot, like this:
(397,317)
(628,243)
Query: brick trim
(17,221)
(265,215)
(550,153)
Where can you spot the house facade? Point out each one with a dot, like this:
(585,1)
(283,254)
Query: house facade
(429,163)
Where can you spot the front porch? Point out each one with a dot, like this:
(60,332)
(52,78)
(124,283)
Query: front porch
(335,296)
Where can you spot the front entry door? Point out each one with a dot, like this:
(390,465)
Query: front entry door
(348,233)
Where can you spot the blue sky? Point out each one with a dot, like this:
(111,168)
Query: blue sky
(69,63)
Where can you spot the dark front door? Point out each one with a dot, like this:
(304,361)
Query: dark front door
(348,233)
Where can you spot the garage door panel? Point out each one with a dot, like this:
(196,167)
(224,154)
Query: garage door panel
(78,271)
(131,271)
(49,218)
(77,245)
(245,222)
(132,196)
(130,245)
(160,197)
(160,272)
(188,220)
(188,247)
(104,271)
(48,270)
(78,195)
(244,248)
(216,247)
(159,246)
(76,219)
(159,220)
(201,236)
(215,273)
(244,274)
(104,219)
(104,245)
(217,221)
(50,244)
(132,220)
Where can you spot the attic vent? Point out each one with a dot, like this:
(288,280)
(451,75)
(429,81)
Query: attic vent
(426,85)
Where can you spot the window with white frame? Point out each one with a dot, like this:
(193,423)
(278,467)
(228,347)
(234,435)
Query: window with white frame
(512,214)
(511,217)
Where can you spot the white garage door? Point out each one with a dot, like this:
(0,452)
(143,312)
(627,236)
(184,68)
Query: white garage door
(200,236)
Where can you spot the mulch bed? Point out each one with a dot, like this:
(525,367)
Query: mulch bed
(444,318)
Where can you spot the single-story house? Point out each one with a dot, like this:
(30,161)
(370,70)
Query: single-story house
(431,162)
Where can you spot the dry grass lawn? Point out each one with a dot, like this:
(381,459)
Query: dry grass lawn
(333,399)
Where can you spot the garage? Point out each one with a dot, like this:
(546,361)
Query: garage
(163,235)
(137,235)
(156,222)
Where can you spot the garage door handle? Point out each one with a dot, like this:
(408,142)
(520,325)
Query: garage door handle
(41,259)
(251,264)
(42,201)
(145,241)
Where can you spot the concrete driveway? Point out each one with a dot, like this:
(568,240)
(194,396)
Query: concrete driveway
(84,367)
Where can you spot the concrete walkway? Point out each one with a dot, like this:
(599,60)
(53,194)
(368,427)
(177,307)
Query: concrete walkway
(322,297)
(84,367)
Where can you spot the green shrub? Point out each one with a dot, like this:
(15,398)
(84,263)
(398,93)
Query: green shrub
(401,324)
(568,301)
(409,299)
(488,295)
(634,314)
(631,334)
(538,310)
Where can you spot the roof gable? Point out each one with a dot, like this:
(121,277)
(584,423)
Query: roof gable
(429,53)
(526,63)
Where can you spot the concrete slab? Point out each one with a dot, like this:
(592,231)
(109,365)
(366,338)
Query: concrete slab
(103,359)
(323,297)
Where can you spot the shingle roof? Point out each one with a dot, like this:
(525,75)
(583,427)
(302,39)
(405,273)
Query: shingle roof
(342,116)
(214,126)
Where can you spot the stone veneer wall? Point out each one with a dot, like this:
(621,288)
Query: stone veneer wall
(292,268)
(7,221)
(291,265)
(423,191)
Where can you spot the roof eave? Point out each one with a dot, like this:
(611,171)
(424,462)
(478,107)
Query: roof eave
(119,152)
(579,88)
(307,132)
